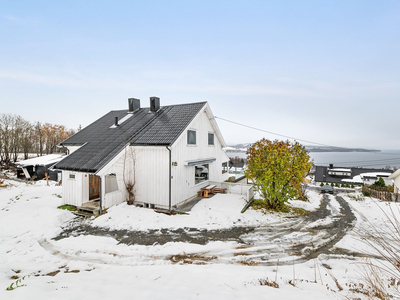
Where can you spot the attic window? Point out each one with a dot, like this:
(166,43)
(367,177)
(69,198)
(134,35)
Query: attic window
(191,137)
(211,138)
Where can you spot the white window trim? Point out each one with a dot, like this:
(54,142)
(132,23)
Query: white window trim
(211,145)
(187,137)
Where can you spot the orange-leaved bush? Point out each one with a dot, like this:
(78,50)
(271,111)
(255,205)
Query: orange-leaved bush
(277,169)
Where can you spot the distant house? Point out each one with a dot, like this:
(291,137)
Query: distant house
(355,176)
(38,167)
(396,180)
(168,152)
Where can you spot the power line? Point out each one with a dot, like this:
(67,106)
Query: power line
(294,138)
(285,136)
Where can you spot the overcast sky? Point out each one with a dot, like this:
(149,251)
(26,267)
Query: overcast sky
(322,71)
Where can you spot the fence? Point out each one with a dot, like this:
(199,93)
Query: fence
(381,195)
(237,188)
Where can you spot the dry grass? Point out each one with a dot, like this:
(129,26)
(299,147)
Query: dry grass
(241,254)
(266,281)
(195,259)
(250,263)
(2,184)
(382,276)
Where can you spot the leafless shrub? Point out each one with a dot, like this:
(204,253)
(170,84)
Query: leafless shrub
(129,172)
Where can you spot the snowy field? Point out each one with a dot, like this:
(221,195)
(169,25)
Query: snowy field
(98,267)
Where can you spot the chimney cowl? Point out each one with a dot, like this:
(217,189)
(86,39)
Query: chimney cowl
(134,104)
(154,104)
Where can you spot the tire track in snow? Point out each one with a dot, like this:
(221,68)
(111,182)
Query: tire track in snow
(296,240)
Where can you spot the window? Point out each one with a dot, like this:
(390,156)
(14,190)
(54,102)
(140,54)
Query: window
(191,137)
(111,183)
(224,167)
(200,173)
(211,138)
(72,176)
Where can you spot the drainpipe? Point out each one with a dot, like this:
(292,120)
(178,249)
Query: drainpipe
(101,196)
(170,174)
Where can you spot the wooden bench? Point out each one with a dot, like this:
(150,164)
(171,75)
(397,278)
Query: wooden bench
(220,190)
(205,191)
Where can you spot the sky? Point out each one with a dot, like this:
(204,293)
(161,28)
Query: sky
(321,71)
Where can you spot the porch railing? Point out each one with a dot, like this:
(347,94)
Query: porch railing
(236,188)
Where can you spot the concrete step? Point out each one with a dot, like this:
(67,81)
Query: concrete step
(88,209)
(83,214)
(93,210)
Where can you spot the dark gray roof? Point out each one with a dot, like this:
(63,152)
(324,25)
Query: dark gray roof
(100,143)
(321,173)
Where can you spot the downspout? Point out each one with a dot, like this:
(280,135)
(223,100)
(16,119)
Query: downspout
(170,174)
(101,196)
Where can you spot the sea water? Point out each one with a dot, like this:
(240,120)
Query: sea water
(385,158)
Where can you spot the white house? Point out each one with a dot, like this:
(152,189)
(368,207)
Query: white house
(396,180)
(168,152)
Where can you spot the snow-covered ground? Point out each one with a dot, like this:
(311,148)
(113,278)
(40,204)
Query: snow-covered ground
(93,267)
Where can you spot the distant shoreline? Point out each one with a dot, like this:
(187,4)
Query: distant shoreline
(242,148)
(342,150)
(320,150)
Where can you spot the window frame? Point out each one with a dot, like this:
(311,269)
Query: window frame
(213,139)
(188,137)
(224,167)
(197,176)
(111,183)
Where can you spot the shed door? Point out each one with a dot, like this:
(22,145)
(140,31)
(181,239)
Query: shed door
(94,187)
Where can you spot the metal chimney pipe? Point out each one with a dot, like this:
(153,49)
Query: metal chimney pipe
(134,104)
(116,121)
(154,104)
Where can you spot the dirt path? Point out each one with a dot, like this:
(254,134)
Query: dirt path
(294,240)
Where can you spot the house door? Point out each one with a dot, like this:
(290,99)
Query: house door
(94,187)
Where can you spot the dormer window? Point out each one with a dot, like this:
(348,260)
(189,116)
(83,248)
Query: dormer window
(191,137)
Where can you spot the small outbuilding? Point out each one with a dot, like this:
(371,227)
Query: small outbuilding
(396,181)
(37,167)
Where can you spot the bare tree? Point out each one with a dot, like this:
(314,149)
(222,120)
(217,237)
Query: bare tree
(5,130)
(129,172)
(20,136)
(38,137)
(27,140)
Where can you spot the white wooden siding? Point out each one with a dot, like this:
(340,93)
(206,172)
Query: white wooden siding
(396,182)
(152,175)
(183,182)
(149,166)
(75,190)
